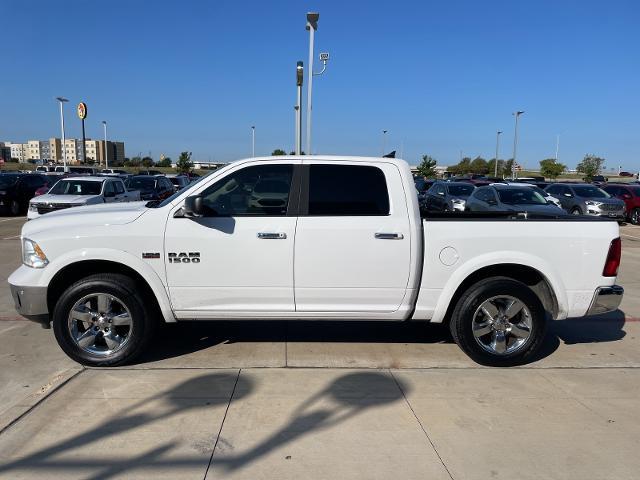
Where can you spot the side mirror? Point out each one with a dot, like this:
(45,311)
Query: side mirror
(568,195)
(193,206)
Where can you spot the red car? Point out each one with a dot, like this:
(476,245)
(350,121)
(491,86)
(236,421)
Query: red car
(630,195)
(626,174)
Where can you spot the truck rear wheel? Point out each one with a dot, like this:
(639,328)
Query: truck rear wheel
(499,322)
(102,320)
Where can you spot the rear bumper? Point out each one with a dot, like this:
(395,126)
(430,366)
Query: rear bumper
(31,303)
(606,299)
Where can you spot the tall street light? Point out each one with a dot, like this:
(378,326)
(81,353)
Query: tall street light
(384,141)
(253,141)
(106,147)
(312,26)
(516,114)
(557,146)
(64,150)
(495,174)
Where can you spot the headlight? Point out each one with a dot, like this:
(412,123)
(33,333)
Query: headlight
(593,204)
(458,201)
(33,207)
(32,254)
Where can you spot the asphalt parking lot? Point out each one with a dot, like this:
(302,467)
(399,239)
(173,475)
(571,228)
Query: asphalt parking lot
(330,400)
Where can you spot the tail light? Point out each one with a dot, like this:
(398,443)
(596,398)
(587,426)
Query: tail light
(613,259)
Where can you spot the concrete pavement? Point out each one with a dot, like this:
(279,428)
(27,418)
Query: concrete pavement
(354,400)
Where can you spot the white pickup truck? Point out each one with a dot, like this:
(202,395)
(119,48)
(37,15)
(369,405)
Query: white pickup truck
(80,191)
(310,238)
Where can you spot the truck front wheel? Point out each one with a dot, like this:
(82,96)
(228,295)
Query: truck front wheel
(499,322)
(101,320)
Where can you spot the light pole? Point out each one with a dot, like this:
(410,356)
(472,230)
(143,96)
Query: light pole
(64,150)
(298,107)
(384,141)
(253,141)
(495,174)
(106,147)
(516,114)
(312,26)
(557,146)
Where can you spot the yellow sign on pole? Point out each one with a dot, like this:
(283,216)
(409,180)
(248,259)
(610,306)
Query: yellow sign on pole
(82,110)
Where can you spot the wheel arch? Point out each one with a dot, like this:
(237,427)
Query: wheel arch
(75,271)
(526,274)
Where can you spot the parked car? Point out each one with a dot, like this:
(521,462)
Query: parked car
(582,198)
(422,186)
(626,174)
(447,196)
(151,187)
(16,189)
(50,180)
(179,181)
(549,198)
(599,180)
(80,191)
(150,172)
(630,195)
(499,197)
(349,233)
(113,171)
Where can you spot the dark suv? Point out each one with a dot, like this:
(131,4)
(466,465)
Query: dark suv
(16,189)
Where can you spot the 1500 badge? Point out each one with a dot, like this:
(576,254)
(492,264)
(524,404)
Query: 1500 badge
(184,257)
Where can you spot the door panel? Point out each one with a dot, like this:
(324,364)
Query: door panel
(231,266)
(340,263)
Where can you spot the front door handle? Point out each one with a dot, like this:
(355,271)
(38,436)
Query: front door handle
(272,235)
(389,236)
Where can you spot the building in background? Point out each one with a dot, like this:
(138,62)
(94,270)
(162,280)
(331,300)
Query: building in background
(46,151)
(5,152)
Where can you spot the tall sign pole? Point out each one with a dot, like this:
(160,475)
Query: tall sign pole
(82,114)
(298,107)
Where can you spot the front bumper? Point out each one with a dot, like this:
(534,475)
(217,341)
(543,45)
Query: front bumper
(606,299)
(31,303)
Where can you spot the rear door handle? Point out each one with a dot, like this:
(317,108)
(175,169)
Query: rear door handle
(389,236)
(272,235)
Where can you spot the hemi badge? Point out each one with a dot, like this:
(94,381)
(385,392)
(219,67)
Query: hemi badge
(150,255)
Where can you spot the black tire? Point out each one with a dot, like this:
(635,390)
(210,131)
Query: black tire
(576,211)
(143,322)
(462,321)
(14,208)
(634,216)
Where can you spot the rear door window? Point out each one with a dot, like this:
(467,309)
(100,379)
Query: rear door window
(347,190)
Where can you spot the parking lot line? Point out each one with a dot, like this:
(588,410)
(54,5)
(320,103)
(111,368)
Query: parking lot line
(11,238)
(12,218)
(629,236)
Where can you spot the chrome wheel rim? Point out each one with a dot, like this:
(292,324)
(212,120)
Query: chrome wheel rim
(576,212)
(100,324)
(502,325)
(635,216)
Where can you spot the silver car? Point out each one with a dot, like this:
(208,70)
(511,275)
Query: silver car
(499,197)
(586,199)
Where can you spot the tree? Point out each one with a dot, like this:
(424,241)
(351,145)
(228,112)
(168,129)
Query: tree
(508,166)
(427,167)
(147,162)
(293,153)
(590,166)
(491,164)
(277,152)
(135,161)
(550,168)
(479,165)
(165,162)
(184,163)
(462,167)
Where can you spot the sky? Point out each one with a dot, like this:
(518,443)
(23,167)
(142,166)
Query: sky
(440,77)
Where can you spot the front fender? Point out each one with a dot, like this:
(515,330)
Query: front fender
(116,256)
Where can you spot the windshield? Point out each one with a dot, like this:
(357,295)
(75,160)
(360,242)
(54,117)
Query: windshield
(8,180)
(144,184)
(540,191)
(521,196)
(461,190)
(588,191)
(76,187)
